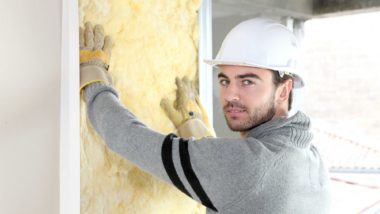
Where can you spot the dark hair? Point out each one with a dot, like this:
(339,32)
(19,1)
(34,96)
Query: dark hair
(277,80)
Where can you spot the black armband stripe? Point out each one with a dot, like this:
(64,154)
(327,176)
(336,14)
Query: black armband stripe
(191,176)
(167,160)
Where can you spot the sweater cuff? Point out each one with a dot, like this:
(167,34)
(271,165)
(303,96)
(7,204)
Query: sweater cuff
(94,89)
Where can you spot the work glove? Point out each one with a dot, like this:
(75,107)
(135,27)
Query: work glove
(95,53)
(187,113)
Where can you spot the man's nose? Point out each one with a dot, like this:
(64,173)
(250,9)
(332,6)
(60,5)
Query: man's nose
(231,93)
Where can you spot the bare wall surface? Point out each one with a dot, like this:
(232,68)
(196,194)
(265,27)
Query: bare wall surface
(29,110)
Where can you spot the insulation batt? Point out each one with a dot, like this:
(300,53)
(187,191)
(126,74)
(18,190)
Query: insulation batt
(154,41)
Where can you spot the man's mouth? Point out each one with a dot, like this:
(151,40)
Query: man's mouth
(234,112)
(234,106)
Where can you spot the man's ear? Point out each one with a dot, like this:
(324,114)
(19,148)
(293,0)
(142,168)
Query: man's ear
(284,90)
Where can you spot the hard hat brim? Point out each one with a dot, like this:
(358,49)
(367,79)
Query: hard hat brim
(297,80)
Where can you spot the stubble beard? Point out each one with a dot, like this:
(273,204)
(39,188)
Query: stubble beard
(258,116)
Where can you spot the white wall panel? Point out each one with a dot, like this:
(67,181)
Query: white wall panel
(29,111)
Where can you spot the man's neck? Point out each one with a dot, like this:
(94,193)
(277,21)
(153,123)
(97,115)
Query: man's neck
(278,114)
(281,112)
(244,134)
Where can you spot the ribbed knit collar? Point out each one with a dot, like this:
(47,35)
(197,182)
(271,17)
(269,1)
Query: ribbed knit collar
(296,129)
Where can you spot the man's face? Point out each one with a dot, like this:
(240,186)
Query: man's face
(247,95)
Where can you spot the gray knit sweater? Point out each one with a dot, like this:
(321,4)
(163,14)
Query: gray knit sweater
(275,170)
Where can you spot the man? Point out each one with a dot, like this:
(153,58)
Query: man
(273,168)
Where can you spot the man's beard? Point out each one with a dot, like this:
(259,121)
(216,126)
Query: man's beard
(260,115)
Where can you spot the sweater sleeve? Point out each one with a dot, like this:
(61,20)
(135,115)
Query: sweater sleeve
(213,171)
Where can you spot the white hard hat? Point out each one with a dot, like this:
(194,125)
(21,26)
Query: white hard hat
(262,43)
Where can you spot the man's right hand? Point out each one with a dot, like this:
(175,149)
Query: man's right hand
(95,53)
(187,112)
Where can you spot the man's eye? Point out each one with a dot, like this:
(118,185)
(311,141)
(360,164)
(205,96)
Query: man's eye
(223,82)
(247,82)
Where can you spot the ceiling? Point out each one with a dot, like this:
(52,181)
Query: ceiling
(299,9)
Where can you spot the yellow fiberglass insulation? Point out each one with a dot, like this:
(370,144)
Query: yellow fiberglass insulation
(154,41)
